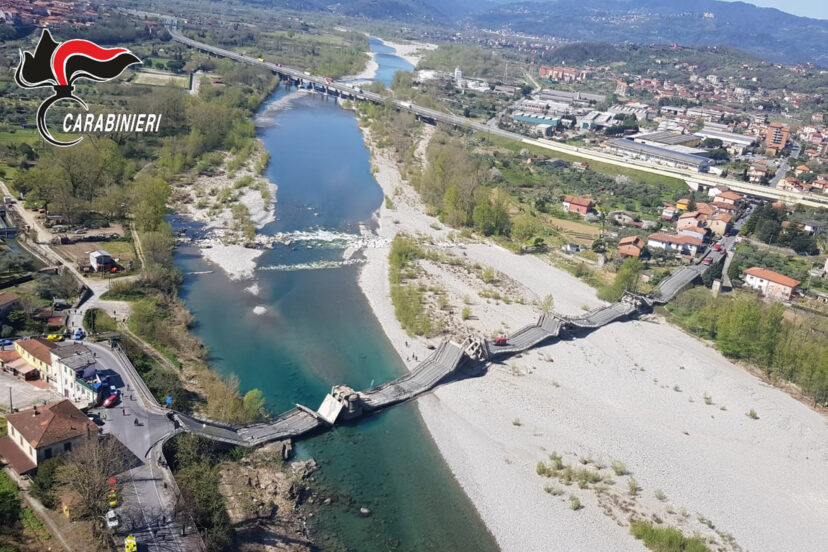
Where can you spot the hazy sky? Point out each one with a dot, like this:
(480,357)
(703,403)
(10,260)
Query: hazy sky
(809,8)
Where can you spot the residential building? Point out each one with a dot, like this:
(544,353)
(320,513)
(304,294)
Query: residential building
(669,212)
(563,74)
(74,367)
(579,205)
(705,209)
(731,198)
(758,173)
(38,353)
(771,284)
(694,231)
(813,227)
(683,204)
(8,302)
(801,169)
(631,246)
(719,223)
(44,432)
(101,260)
(776,138)
(687,245)
(690,219)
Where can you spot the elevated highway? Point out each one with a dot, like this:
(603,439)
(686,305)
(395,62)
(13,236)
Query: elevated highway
(694,179)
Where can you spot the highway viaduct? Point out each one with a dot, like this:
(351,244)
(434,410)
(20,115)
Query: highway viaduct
(694,179)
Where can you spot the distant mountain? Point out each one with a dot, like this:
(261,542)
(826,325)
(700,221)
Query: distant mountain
(436,11)
(765,32)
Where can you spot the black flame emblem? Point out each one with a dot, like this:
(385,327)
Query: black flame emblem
(59,65)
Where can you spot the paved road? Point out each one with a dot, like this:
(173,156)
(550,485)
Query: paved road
(148,498)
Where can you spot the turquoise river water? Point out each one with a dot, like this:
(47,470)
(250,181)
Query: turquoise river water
(318,330)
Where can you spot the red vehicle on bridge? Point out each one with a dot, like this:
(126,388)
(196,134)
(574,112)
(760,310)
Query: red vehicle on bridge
(501,341)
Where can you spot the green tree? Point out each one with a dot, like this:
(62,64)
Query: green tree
(9,501)
(43,483)
(253,402)
(625,280)
(150,202)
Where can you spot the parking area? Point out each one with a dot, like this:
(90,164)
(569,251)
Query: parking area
(23,394)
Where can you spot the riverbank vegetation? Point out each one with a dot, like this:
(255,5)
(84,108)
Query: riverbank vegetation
(130,178)
(665,539)
(746,329)
(318,49)
(406,296)
(195,464)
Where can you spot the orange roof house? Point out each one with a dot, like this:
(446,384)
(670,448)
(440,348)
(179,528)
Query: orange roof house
(41,433)
(631,246)
(771,284)
(580,205)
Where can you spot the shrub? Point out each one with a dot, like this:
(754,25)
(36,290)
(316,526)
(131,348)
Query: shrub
(633,487)
(665,539)
(752,414)
(619,468)
(575,503)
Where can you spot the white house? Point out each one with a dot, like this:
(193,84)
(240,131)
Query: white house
(100,260)
(771,284)
(73,366)
(688,245)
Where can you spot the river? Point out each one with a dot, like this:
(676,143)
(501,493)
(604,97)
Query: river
(318,330)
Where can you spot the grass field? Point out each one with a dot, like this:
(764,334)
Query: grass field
(573,226)
(28,135)
(120,250)
(604,168)
(161,78)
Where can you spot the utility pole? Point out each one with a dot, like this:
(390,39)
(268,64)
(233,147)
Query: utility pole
(11,404)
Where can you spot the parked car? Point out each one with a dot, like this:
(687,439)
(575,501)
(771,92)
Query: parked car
(112,520)
(79,334)
(5,342)
(717,246)
(54,337)
(95,419)
(707,260)
(80,231)
(112,400)
(501,341)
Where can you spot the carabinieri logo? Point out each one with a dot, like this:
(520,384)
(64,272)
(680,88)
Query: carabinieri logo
(59,65)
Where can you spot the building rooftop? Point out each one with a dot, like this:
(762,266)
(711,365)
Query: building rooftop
(51,424)
(660,152)
(578,201)
(771,276)
(726,137)
(37,347)
(679,239)
(75,355)
(7,298)
(667,137)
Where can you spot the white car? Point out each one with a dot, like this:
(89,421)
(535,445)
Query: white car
(112,520)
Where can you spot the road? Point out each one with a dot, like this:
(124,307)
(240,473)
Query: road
(141,424)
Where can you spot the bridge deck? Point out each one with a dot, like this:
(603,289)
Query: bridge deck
(424,377)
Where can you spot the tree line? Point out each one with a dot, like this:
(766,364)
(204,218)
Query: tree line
(748,329)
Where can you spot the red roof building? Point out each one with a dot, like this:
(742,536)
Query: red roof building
(631,246)
(580,205)
(772,285)
(41,433)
